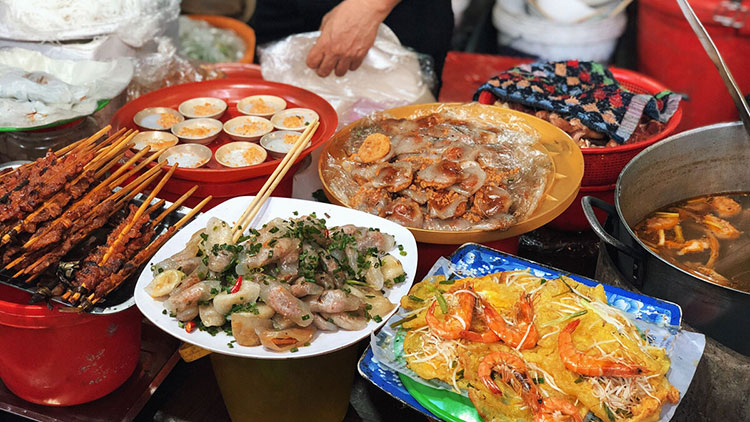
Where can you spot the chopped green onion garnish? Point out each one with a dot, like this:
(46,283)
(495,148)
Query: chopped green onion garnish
(563,319)
(402,321)
(415,298)
(356,283)
(294,350)
(441,301)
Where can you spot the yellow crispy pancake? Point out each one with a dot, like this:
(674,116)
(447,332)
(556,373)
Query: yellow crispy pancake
(603,333)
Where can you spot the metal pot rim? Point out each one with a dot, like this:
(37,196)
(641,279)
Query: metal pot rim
(673,138)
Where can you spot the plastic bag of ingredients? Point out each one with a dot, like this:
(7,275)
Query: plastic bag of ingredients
(36,90)
(390,76)
(166,68)
(202,41)
(136,22)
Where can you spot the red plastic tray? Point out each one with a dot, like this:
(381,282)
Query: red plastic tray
(231,91)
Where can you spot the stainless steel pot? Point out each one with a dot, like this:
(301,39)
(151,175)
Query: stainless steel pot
(708,160)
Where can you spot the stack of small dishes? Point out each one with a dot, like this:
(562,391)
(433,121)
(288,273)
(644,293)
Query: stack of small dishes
(265,128)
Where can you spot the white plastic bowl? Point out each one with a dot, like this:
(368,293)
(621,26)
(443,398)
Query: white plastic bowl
(186,156)
(155,139)
(280,142)
(149,118)
(296,119)
(203,107)
(247,128)
(240,154)
(261,105)
(211,127)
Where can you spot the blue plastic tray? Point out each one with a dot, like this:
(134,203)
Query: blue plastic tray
(477,260)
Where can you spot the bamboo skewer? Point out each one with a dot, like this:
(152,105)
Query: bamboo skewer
(150,250)
(174,206)
(260,198)
(114,196)
(132,193)
(8,236)
(138,214)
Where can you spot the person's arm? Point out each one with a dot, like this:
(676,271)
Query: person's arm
(346,34)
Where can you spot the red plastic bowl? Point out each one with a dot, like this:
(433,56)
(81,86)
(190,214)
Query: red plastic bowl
(603,165)
(62,359)
(573,218)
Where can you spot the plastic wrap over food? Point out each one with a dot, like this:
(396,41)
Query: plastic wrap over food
(684,349)
(202,41)
(136,22)
(36,90)
(453,168)
(390,75)
(166,68)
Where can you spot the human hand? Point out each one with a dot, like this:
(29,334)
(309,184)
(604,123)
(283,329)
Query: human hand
(346,34)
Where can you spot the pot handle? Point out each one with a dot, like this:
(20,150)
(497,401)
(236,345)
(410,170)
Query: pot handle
(588,203)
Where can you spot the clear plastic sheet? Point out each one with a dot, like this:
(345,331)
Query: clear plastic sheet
(166,68)
(36,90)
(500,152)
(202,41)
(136,22)
(391,75)
(684,349)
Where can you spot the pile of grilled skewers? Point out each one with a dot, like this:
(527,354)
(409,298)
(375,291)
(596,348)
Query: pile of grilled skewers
(65,203)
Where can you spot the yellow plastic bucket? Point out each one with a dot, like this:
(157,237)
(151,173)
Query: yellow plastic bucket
(312,389)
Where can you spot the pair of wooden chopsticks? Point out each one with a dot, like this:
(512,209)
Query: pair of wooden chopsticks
(273,181)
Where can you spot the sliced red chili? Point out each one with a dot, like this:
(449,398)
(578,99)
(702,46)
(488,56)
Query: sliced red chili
(237,285)
(190,326)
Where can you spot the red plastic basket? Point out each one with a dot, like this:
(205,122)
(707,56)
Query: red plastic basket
(603,165)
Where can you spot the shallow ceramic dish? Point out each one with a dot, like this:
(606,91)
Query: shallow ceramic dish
(296,119)
(155,139)
(247,128)
(279,143)
(261,105)
(157,118)
(562,184)
(240,154)
(197,131)
(186,156)
(208,107)
(230,211)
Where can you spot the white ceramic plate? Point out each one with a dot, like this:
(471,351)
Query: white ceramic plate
(230,211)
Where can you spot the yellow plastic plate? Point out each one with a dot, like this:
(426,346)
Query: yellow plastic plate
(562,186)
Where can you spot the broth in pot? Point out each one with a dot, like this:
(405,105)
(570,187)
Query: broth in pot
(706,236)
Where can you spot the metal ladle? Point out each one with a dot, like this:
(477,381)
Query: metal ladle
(718,61)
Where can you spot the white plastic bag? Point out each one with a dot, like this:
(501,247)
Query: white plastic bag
(36,90)
(136,22)
(390,75)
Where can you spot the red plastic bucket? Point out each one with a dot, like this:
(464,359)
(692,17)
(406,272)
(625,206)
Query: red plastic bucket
(61,359)
(669,51)
(573,218)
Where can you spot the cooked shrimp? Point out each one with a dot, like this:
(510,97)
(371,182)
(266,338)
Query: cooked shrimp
(374,147)
(522,333)
(655,224)
(693,246)
(484,337)
(582,364)
(512,371)
(725,207)
(458,319)
(555,409)
(721,228)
